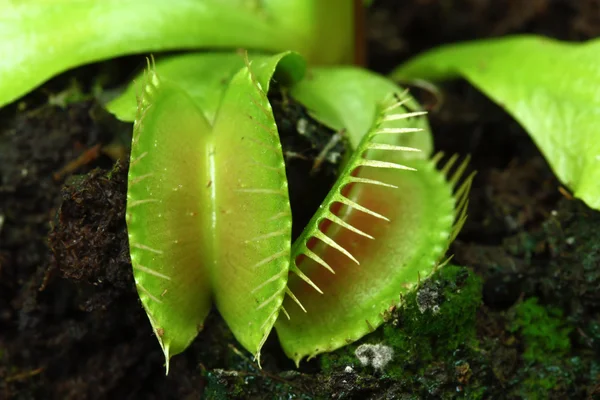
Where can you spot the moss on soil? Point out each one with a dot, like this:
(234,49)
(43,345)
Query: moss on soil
(429,334)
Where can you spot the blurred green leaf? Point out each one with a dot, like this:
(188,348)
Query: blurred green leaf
(348,98)
(550,87)
(203,76)
(206,76)
(40,39)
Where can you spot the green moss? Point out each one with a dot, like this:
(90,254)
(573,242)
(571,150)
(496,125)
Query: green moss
(215,390)
(74,93)
(552,380)
(545,337)
(232,384)
(339,359)
(442,311)
(544,331)
(432,323)
(475,393)
(593,331)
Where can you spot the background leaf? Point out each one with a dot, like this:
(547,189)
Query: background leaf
(550,87)
(348,98)
(206,76)
(39,39)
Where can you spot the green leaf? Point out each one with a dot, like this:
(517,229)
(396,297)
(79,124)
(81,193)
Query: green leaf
(385,224)
(550,87)
(168,222)
(331,32)
(206,76)
(348,98)
(40,39)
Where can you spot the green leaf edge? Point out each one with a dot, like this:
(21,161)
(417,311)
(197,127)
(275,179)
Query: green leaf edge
(572,148)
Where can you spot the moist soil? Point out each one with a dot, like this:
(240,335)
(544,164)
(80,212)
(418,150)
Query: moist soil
(72,327)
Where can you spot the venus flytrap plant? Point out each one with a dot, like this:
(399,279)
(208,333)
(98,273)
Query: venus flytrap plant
(209,215)
(208,212)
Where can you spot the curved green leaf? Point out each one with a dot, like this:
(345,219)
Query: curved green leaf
(168,222)
(39,39)
(348,98)
(550,87)
(384,225)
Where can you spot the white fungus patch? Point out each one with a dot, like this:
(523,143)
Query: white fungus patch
(376,355)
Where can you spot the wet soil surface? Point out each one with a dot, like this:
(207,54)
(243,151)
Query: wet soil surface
(71,326)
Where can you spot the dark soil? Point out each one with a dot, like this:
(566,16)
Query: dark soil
(311,158)
(71,326)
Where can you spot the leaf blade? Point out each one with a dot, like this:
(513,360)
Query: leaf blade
(547,85)
(348,98)
(167,214)
(252,221)
(40,39)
